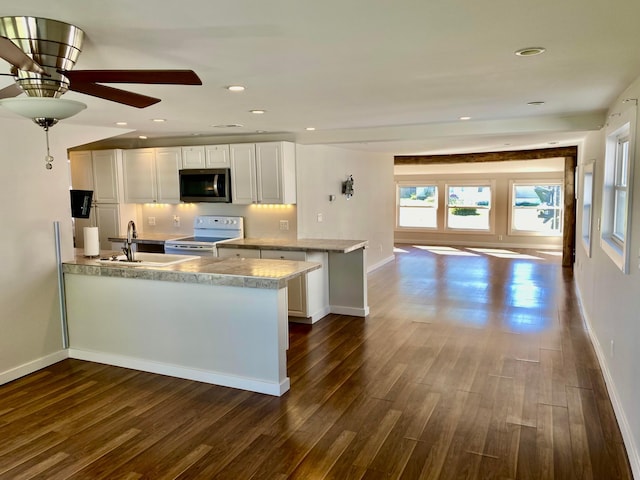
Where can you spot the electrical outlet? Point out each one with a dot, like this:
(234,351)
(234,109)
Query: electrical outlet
(176,221)
(319,217)
(284,224)
(612,352)
(151,220)
(500,237)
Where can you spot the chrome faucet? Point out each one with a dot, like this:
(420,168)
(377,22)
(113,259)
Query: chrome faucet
(128,246)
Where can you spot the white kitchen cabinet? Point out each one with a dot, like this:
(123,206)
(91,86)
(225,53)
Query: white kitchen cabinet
(238,252)
(81,170)
(217,156)
(151,175)
(107,176)
(308,295)
(263,173)
(193,157)
(101,171)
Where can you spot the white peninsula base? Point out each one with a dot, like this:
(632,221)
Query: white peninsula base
(224,335)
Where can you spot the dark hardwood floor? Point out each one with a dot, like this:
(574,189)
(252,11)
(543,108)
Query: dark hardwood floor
(470,366)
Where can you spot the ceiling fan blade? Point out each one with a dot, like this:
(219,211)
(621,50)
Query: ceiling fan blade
(114,94)
(16,57)
(10,91)
(166,77)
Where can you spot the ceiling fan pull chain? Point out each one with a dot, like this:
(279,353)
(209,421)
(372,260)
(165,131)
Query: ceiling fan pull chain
(48,158)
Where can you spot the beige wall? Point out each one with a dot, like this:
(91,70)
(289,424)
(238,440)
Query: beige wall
(611,299)
(535,171)
(368,215)
(31,199)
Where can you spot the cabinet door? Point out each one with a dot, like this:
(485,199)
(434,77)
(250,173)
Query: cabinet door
(106,177)
(193,157)
(243,173)
(108,223)
(217,156)
(81,170)
(168,164)
(297,296)
(139,175)
(269,172)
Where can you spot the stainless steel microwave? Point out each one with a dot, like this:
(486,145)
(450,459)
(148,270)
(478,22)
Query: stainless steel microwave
(205,185)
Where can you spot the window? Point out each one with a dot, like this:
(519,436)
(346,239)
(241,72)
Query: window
(536,208)
(617,188)
(469,207)
(418,206)
(587,200)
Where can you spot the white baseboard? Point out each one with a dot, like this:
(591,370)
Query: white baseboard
(352,311)
(381,263)
(320,314)
(183,372)
(33,366)
(625,429)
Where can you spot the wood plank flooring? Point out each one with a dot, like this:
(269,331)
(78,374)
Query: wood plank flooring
(471,365)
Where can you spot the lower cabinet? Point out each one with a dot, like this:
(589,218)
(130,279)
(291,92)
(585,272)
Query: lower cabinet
(308,294)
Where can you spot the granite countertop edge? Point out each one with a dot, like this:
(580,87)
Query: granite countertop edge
(302,244)
(233,272)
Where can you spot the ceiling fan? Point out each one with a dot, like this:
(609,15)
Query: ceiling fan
(42,53)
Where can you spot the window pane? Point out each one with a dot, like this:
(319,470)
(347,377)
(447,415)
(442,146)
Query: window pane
(622,163)
(417,217)
(537,208)
(468,218)
(418,206)
(470,196)
(620,215)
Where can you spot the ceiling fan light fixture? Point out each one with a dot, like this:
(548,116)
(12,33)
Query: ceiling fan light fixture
(43,107)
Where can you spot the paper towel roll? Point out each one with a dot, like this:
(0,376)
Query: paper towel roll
(91,242)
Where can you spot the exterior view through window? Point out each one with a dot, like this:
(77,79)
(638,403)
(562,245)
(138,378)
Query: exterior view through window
(537,209)
(620,186)
(418,206)
(469,207)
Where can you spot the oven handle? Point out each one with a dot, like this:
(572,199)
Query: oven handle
(189,247)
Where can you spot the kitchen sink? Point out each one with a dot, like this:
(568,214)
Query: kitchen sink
(145,259)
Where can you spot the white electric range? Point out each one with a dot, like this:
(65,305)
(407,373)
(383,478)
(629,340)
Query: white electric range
(208,230)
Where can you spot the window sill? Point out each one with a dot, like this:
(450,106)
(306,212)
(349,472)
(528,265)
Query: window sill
(615,252)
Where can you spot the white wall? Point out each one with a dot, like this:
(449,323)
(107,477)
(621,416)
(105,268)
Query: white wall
(31,199)
(368,215)
(611,299)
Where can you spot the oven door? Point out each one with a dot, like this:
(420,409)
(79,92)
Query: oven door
(190,249)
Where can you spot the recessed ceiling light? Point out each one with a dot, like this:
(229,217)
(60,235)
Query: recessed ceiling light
(261,131)
(465,118)
(235,88)
(121,124)
(158,120)
(310,129)
(553,143)
(258,112)
(530,51)
(142,137)
(228,125)
(536,103)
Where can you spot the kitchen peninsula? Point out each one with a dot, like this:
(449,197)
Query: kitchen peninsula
(339,287)
(216,320)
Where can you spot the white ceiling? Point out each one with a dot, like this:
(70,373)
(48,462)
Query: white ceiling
(367,74)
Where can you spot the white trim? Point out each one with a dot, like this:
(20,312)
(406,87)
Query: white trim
(491,244)
(182,372)
(623,124)
(32,366)
(352,311)
(318,315)
(381,263)
(625,429)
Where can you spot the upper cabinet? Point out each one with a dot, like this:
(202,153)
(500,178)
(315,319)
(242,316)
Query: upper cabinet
(151,175)
(100,171)
(207,156)
(263,173)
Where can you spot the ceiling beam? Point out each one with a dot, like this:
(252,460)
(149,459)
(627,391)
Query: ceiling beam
(536,154)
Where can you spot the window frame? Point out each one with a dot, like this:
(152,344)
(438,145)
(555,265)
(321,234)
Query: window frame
(532,183)
(491,184)
(621,126)
(586,195)
(405,184)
